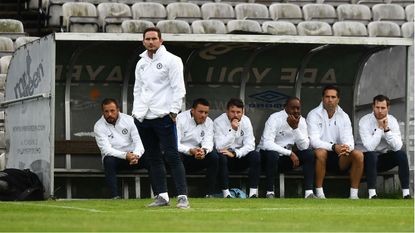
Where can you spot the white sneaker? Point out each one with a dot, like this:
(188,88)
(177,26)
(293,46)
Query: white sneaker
(320,196)
(354,198)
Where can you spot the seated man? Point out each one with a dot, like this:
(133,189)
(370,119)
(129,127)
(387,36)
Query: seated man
(284,146)
(195,142)
(382,143)
(234,139)
(119,142)
(330,132)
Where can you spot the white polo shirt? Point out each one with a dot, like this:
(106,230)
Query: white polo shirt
(191,135)
(159,85)
(241,140)
(116,140)
(375,139)
(280,137)
(324,131)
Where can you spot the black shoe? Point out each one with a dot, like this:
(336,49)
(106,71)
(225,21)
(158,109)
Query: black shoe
(253,196)
(374,197)
(229,196)
(407,197)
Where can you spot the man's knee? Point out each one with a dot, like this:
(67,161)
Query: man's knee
(320,155)
(356,156)
(110,162)
(401,155)
(308,156)
(254,158)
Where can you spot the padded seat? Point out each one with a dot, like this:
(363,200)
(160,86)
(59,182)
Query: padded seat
(409,12)
(319,12)
(349,28)
(186,11)
(150,11)
(354,12)
(24,40)
(279,28)
(383,29)
(388,12)
(80,17)
(314,28)
(111,15)
(218,10)
(135,25)
(6,45)
(211,26)
(244,26)
(286,12)
(252,11)
(174,26)
(11,26)
(4,64)
(408,30)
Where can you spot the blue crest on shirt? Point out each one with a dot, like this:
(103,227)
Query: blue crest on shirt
(202,133)
(242,133)
(159,66)
(124,131)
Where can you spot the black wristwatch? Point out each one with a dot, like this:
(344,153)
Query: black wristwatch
(333,147)
(173,115)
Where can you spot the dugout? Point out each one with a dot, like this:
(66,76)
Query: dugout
(55,84)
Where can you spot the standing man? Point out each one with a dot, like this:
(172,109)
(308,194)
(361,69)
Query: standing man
(195,139)
(234,139)
(158,95)
(382,143)
(331,136)
(284,146)
(119,142)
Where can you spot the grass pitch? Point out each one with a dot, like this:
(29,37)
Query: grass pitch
(299,215)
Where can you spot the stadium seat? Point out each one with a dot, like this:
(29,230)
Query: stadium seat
(34,4)
(409,12)
(286,12)
(301,2)
(349,28)
(369,3)
(279,28)
(186,11)
(314,28)
(174,26)
(218,10)
(165,2)
(199,2)
(24,40)
(6,46)
(135,25)
(111,15)
(235,2)
(150,11)
(244,26)
(209,26)
(388,12)
(334,3)
(2,89)
(319,12)
(354,12)
(402,3)
(383,29)
(80,17)
(54,12)
(408,30)
(128,2)
(252,11)
(4,64)
(11,26)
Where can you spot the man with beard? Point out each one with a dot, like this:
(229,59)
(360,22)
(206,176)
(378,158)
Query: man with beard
(331,136)
(119,142)
(284,146)
(235,142)
(382,143)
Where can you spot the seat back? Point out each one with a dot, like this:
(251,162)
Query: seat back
(314,28)
(286,11)
(246,26)
(354,12)
(319,12)
(135,25)
(218,10)
(150,11)
(186,11)
(210,26)
(279,28)
(349,28)
(174,26)
(383,29)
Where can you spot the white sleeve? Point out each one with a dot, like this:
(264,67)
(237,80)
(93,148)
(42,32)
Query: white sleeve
(138,144)
(207,142)
(177,83)
(104,144)
(393,137)
(314,132)
(248,140)
(272,126)
(181,147)
(223,137)
(370,141)
(301,136)
(346,133)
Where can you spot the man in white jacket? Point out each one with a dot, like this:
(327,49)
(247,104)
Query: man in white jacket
(382,143)
(195,139)
(331,136)
(285,145)
(158,95)
(235,142)
(119,142)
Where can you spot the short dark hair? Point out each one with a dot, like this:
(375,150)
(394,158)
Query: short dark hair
(107,101)
(200,101)
(381,98)
(152,29)
(235,102)
(289,99)
(330,87)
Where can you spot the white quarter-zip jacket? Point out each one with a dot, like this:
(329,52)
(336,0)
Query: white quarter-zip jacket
(116,140)
(191,135)
(375,139)
(159,85)
(241,140)
(280,137)
(325,132)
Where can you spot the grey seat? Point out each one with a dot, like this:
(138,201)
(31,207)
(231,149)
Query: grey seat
(408,30)
(279,28)
(243,26)
(174,26)
(402,3)
(252,11)
(354,12)
(409,12)
(383,29)
(334,3)
(150,11)
(80,17)
(135,25)
(349,28)
(286,12)
(11,26)
(24,40)
(210,26)
(6,46)
(388,12)
(4,64)
(301,2)
(54,12)
(369,3)
(314,28)
(186,11)
(218,10)
(34,4)
(111,15)
(319,12)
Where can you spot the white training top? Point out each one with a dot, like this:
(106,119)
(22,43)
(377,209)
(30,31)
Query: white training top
(119,139)
(241,140)
(280,137)
(159,85)
(191,135)
(325,132)
(375,139)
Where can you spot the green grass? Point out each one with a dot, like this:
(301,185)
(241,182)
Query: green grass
(387,215)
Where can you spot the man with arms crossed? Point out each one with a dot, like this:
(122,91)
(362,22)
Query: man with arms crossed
(382,143)
(284,146)
(331,136)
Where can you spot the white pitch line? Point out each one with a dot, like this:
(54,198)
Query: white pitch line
(59,207)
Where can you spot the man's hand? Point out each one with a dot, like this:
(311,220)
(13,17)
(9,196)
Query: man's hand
(198,153)
(294,158)
(235,124)
(342,149)
(132,158)
(293,121)
(173,116)
(227,152)
(383,123)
